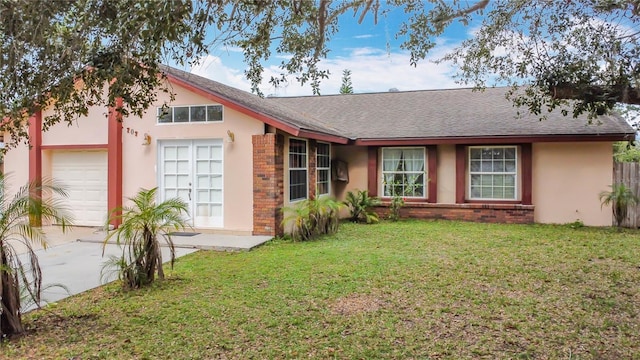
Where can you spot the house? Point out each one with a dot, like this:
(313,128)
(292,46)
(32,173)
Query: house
(237,159)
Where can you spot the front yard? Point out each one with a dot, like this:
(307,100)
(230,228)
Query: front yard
(412,289)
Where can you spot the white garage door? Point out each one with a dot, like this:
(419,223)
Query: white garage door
(84,176)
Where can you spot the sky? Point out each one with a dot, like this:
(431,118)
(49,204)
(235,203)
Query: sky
(370,51)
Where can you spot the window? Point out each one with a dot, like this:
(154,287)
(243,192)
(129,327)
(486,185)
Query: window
(493,173)
(297,169)
(184,114)
(403,172)
(323,168)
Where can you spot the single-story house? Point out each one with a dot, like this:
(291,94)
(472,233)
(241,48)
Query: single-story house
(238,159)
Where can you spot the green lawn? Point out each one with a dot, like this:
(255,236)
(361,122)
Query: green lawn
(421,290)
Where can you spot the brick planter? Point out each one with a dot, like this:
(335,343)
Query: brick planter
(491,213)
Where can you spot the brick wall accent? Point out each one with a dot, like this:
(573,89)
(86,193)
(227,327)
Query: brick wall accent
(313,150)
(491,213)
(268,184)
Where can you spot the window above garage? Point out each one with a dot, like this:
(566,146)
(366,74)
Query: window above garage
(190,114)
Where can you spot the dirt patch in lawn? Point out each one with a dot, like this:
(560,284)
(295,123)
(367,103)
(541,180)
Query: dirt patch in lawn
(357,303)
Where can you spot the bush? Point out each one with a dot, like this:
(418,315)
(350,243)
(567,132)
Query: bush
(394,209)
(620,197)
(360,204)
(310,218)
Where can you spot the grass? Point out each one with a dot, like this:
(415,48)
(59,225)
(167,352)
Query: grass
(411,289)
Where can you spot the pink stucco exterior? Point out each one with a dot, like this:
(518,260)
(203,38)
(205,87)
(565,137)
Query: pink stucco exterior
(567,178)
(91,129)
(16,167)
(558,182)
(588,165)
(140,161)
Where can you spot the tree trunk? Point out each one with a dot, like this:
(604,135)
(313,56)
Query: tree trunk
(10,316)
(150,256)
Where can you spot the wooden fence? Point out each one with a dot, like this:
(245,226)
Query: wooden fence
(628,173)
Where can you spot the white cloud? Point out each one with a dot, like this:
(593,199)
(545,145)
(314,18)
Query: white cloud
(372,70)
(212,67)
(364,36)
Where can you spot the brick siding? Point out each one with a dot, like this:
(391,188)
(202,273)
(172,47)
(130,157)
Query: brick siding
(268,184)
(313,150)
(491,213)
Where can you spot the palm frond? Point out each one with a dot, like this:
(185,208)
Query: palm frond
(143,223)
(21,281)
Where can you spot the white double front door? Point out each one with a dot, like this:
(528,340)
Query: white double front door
(192,171)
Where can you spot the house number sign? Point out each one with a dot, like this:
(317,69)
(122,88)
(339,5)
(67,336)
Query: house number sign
(132,132)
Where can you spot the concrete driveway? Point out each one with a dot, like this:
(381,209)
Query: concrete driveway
(74,258)
(78,266)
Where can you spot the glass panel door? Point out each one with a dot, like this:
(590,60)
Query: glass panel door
(192,171)
(208,184)
(176,173)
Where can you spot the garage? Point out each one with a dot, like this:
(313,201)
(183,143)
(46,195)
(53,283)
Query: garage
(84,176)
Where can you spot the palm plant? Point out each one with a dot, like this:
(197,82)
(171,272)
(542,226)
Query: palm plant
(299,220)
(312,217)
(360,204)
(20,280)
(328,214)
(142,225)
(620,197)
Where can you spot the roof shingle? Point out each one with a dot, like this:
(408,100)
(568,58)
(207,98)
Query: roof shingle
(443,113)
(428,114)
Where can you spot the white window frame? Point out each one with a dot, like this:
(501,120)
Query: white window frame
(327,168)
(305,168)
(515,173)
(171,111)
(422,172)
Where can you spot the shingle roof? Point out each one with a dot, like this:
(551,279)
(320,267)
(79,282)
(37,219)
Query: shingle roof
(428,114)
(443,113)
(260,105)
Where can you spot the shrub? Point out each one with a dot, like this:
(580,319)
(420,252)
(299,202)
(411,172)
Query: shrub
(309,218)
(620,197)
(397,203)
(360,204)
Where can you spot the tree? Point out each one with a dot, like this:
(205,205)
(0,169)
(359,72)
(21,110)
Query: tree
(347,87)
(581,55)
(141,227)
(626,151)
(620,197)
(18,276)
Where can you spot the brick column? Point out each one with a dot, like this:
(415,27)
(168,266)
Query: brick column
(268,184)
(313,150)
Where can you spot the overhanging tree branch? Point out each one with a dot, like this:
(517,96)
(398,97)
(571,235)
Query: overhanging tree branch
(619,94)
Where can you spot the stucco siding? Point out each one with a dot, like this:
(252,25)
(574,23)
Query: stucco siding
(356,158)
(16,167)
(446,174)
(567,178)
(140,167)
(85,130)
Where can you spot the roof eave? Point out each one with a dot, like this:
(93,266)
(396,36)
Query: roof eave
(323,137)
(508,139)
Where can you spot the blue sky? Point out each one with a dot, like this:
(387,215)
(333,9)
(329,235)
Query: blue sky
(370,51)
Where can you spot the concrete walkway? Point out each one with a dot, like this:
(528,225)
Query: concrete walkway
(200,241)
(74,258)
